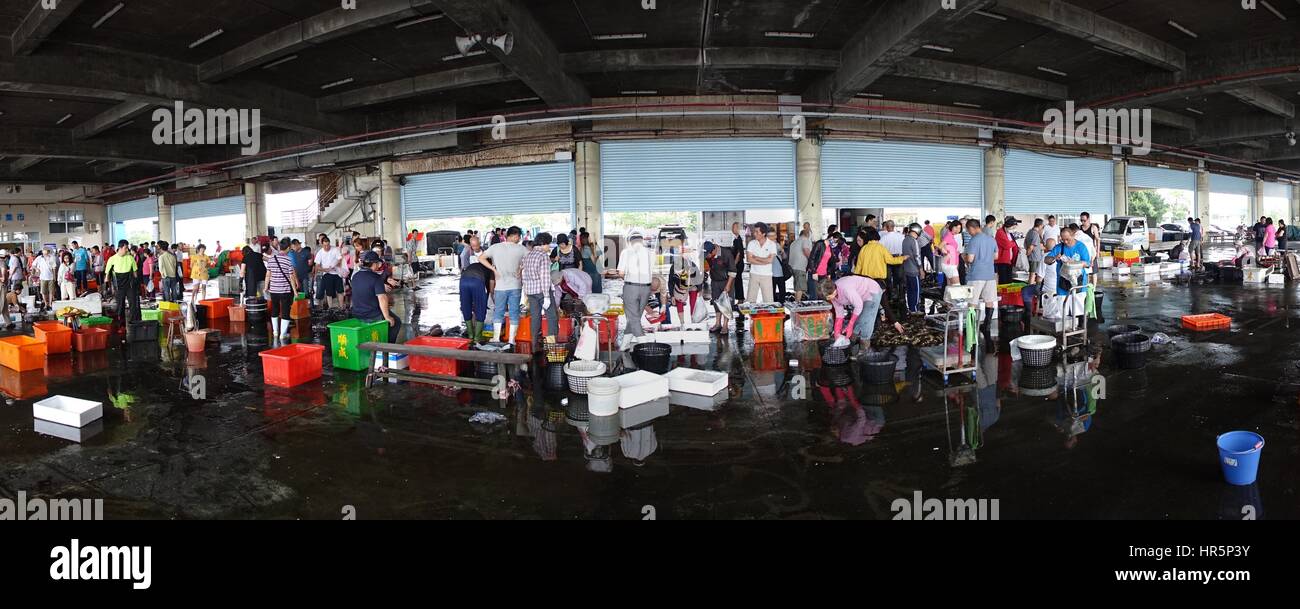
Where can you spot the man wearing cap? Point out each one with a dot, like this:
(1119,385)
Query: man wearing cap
(1008,251)
(635,267)
(893,242)
(760,253)
(369,298)
(913,267)
(721,271)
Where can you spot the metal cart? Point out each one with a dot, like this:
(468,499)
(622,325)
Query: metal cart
(953,323)
(1067,335)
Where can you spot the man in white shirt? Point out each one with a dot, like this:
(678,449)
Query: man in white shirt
(760,253)
(46,265)
(893,242)
(329,265)
(1051,232)
(635,267)
(504,259)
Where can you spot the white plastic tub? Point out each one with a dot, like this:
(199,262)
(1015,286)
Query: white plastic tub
(603,396)
(64,410)
(640,387)
(698,382)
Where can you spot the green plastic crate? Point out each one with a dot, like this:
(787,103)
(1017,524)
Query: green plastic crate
(96,320)
(151,315)
(347,334)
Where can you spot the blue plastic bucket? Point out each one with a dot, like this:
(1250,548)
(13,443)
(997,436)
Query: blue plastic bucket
(1239,456)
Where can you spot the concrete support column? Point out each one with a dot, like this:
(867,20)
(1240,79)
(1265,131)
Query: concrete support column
(1203,195)
(254,209)
(995,182)
(808,185)
(389,223)
(1295,204)
(1256,202)
(1121,190)
(166,230)
(586,186)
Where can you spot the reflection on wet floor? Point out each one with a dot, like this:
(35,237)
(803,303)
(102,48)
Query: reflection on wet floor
(790,436)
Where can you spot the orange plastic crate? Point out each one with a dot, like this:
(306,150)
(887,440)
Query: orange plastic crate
(22,353)
(440,366)
(57,337)
(1209,321)
(292,365)
(301,309)
(768,327)
(90,338)
(23,385)
(218,308)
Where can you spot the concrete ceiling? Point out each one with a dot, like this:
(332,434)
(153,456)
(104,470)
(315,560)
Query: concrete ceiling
(1230,88)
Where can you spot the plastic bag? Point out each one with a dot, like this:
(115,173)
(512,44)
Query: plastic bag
(1160,338)
(588,341)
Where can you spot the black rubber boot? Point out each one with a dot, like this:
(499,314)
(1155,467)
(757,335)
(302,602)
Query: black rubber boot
(986,334)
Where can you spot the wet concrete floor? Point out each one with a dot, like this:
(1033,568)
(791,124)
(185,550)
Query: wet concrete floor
(1036,440)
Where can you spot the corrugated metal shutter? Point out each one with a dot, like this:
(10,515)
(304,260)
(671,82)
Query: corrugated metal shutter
(1231,185)
(227,206)
(1158,177)
(697,175)
(133,210)
(901,174)
(1043,184)
(1277,189)
(545,188)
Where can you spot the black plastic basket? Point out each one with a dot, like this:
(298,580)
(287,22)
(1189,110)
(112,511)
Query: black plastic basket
(1011,314)
(837,376)
(1131,350)
(1037,379)
(1037,358)
(142,331)
(878,368)
(555,377)
(835,356)
(1121,329)
(652,357)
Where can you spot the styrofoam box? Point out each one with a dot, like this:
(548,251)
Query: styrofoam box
(1277,278)
(74,434)
(698,382)
(64,410)
(1254,275)
(644,413)
(698,402)
(640,387)
(396,361)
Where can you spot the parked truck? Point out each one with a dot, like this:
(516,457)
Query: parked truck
(1135,233)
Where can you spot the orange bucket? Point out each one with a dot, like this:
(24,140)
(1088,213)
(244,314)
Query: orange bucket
(196,341)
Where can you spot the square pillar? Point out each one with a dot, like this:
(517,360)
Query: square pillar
(166,229)
(1121,189)
(808,185)
(995,181)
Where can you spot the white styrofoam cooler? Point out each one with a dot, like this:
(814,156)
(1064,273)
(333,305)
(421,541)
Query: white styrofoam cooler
(66,432)
(640,387)
(91,303)
(698,382)
(396,361)
(698,402)
(64,410)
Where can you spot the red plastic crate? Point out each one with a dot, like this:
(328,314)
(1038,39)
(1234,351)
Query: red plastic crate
(768,327)
(440,366)
(1206,322)
(292,365)
(57,337)
(218,308)
(90,338)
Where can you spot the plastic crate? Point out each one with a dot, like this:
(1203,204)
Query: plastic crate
(169,306)
(346,335)
(218,308)
(440,366)
(816,325)
(292,365)
(89,339)
(22,353)
(1206,322)
(97,320)
(23,385)
(300,309)
(57,337)
(142,331)
(151,315)
(768,327)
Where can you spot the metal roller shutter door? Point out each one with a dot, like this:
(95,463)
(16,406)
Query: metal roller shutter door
(697,175)
(901,174)
(226,206)
(1231,185)
(138,209)
(1042,184)
(517,189)
(1158,177)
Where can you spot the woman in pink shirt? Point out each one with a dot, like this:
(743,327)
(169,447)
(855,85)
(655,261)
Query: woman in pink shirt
(863,295)
(1270,236)
(951,250)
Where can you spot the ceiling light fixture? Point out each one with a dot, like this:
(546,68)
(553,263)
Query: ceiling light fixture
(279,61)
(966,105)
(935,47)
(124,124)
(872,95)
(618,37)
(523,100)
(463,55)
(1273,10)
(108,15)
(409,153)
(336,83)
(417,21)
(759,91)
(1290,137)
(64,119)
(1194,111)
(207,38)
(640,92)
(790,34)
(1051,71)
(991,15)
(1179,27)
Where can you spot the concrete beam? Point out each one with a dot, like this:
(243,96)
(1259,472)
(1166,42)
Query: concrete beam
(1237,129)
(110,118)
(103,169)
(39,23)
(317,29)
(1072,20)
(1276,150)
(416,86)
(984,78)
(1264,100)
(52,174)
(55,143)
(534,58)
(894,32)
(25,163)
(95,72)
(322,161)
(1160,116)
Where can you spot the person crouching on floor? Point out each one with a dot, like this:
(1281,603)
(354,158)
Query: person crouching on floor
(863,295)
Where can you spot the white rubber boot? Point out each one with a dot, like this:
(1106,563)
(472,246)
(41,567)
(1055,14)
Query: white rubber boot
(284,330)
(496,332)
(275,323)
(514,329)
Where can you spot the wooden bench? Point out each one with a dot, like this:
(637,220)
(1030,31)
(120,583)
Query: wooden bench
(506,363)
